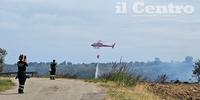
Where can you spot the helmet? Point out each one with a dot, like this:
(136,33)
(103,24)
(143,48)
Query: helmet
(21,57)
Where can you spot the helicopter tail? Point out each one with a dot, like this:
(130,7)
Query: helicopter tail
(113,45)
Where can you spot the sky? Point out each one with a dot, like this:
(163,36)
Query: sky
(64,30)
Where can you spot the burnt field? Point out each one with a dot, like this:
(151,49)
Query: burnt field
(180,91)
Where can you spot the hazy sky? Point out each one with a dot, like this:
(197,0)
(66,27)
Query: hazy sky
(64,30)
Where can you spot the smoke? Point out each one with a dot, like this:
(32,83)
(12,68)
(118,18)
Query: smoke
(151,70)
(174,70)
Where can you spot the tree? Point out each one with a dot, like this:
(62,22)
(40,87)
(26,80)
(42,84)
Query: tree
(2,56)
(188,60)
(63,63)
(157,61)
(196,70)
(69,63)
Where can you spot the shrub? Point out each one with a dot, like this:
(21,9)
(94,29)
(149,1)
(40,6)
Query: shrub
(161,78)
(196,70)
(2,55)
(121,75)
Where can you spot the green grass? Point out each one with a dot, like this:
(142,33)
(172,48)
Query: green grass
(5,84)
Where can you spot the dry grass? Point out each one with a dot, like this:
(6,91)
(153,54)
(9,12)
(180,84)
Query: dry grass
(139,92)
(176,91)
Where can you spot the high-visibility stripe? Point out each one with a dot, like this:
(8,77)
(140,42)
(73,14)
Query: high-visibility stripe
(21,88)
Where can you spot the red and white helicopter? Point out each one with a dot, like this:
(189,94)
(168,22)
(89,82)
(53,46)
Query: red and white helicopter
(99,44)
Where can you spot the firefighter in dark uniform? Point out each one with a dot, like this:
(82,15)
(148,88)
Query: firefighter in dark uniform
(21,74)
(52,70)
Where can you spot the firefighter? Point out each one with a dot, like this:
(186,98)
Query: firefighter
(52,70)
(21,74)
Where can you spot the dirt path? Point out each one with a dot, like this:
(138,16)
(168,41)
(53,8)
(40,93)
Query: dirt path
(59,89)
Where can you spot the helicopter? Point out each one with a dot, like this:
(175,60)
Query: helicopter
(100,44)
